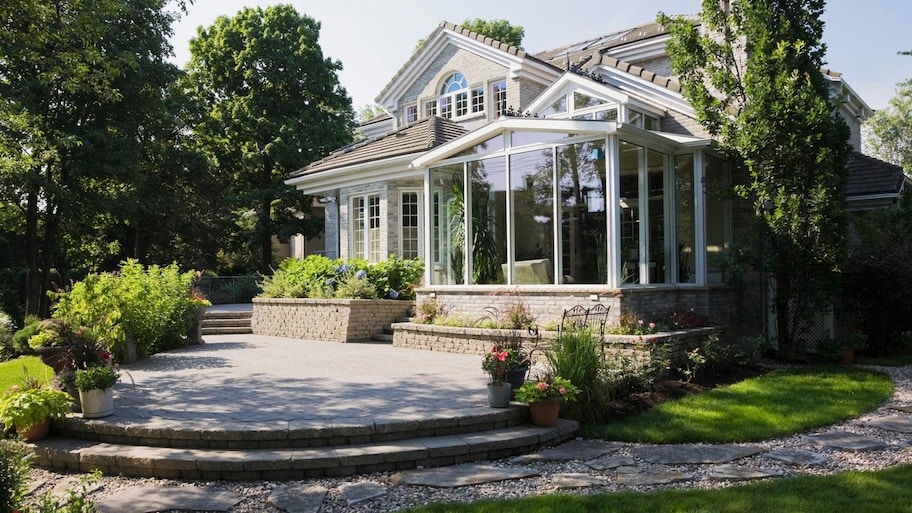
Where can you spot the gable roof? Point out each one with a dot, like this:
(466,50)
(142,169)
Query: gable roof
(419,137)
(869,176)
(518,58)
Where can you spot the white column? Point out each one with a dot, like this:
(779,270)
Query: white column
(612,211)
(699,219)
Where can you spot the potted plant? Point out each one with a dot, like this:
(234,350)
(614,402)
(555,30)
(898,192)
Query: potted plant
(544,397)
(498,363)
(96,390)
(30,410)
(842,349)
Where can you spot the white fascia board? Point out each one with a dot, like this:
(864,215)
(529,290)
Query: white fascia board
(653,93)
(504,124)
(853,103)
(662,141)
(534,71)
(869,197)
(571,81)
(367,172)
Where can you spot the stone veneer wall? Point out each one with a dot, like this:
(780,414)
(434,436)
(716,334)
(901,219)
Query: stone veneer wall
(334,320)
(479,341)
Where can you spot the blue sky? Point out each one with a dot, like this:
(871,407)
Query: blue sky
(373,39)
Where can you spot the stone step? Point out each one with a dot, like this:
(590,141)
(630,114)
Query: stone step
(203,433)
(227,315)
(295,463)
(226,330)
(386,338)
(224,322)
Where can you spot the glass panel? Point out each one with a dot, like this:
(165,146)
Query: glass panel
(453,83)
(446,107)
(358,219)
(635,118)
(489,213)
(500,98)
(447,225)
(651,123)
(492,145)
(532,188)
(430,108)
(715,183)
(607,115)
(582,101)
(581,170)
(629,169)
(373,219)
(526,138)
(409,224)
(655,177)
(478,100)
(462,104)
(558,107)
(684,218)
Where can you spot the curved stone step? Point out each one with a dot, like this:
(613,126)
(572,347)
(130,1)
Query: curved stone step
(204,433)
(295,463)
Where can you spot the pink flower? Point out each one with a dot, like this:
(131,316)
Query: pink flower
(562,391)
(502,356)
(542,386)
(652,325)
(640,322)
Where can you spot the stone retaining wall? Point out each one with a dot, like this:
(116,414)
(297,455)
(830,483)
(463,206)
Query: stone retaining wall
(333,320)
(480,340)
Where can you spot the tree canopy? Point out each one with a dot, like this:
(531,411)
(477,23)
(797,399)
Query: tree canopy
(890,129)
(273,103)
(501,30)
(751,70)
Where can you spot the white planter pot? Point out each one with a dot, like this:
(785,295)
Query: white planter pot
(97,403)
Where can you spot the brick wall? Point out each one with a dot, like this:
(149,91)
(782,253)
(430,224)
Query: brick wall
(334,320)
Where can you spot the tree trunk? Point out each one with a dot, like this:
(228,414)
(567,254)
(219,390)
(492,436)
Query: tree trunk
(33,278)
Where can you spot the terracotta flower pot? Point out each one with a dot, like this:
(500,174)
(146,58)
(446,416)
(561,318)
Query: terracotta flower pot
(36,432)
(544,413)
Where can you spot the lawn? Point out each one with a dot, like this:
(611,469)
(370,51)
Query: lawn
(885,491)
(777,404)
(11,372)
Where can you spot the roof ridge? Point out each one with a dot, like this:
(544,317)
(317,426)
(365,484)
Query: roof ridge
(490,41)
(599,58)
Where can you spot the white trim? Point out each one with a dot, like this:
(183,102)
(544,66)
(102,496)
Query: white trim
(612,210)
(419,191)
(699,213)
(356,174)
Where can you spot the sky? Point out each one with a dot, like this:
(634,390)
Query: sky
(373,38)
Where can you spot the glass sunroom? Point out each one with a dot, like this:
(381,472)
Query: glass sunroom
(575,201)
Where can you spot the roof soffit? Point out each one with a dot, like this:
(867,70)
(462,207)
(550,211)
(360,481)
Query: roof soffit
(520,64)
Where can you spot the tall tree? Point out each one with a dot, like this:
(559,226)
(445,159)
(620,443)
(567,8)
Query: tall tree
(500,30)
(68,126)
(274,104)
(890,129)
(753,76)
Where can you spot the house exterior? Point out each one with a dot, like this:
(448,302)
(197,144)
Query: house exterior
(574,175)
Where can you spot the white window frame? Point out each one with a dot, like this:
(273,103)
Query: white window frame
(366,252)
(419,198)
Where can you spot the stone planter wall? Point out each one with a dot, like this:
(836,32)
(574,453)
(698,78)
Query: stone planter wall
(479,341)
(334,320)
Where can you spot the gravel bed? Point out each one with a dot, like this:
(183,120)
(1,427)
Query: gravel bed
(897,452)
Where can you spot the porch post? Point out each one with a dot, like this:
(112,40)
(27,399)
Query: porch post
(699,218)
(612,211)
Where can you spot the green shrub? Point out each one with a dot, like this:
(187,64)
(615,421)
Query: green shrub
(20,340)
(15,457)
(319,277)
(152,306)
(577,356)
(100,377)
(22,408)
(356,288)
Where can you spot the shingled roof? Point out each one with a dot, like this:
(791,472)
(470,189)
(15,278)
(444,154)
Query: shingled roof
(869,176)
(419,137)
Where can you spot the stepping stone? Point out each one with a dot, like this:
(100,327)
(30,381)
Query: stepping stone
(843,441)
(34,485)
(907,409)
(62,487)
(652,478)
(353,493)
(572,450)
(574,480)
(149,499)
(896,423)
(611,462)
(733,473)
(685,454)
(297,498)
(460,475)
(797,457)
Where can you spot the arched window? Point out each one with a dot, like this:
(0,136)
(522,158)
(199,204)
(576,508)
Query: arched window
(456,100)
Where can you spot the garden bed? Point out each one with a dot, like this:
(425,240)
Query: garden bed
(479,341)
(333,320)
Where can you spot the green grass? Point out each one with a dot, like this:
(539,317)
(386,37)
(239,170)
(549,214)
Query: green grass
(780,403)
(11,371)
(885,491)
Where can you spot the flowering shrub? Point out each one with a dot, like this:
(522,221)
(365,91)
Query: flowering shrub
(499,362)
(319,277)
(630,324)
(547,388)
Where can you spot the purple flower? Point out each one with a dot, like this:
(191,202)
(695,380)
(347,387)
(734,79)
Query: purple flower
(344,268)
(361,274)
(393,294)
(330,281)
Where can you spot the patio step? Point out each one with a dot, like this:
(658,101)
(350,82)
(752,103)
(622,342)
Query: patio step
(295,462)
(202,449)
(226,323)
